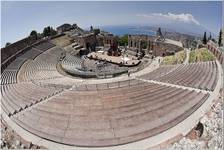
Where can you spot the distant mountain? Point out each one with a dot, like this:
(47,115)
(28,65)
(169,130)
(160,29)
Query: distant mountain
(187,35)
(186,28)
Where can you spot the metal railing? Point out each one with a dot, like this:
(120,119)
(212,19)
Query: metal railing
(107,86)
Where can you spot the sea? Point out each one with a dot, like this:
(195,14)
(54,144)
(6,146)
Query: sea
(122,30)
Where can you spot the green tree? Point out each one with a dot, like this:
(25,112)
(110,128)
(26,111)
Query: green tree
(91,28)
(205,38)
(159,32)
(96,31)
(33,33)
(52,31)
(210,37)
(123,40)
(46,31)
(7,44)
(49,31)
(220,38)
(144,44)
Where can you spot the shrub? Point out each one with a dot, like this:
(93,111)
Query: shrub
(177,58)
(202,54)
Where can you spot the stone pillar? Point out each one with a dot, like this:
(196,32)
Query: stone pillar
(153,49)
(129,41)
(140,45)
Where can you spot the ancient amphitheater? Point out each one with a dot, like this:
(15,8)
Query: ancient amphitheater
(153,105)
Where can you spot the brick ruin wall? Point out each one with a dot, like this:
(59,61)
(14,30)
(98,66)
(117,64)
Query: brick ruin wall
(217,52)
(9,53)
(157,48)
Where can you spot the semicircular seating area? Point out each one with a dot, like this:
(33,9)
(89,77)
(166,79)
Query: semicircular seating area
(110,117)
(71,62)
(87,68)
(107,113)
(16,97)
(43,67)
(9,75)
(201,75)
(44,46)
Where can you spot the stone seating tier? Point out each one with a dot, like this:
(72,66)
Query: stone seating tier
(202,75)
(112,116)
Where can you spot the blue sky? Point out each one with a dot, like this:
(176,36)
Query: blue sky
(19,18)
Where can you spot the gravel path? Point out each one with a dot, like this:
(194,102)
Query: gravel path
(186,61)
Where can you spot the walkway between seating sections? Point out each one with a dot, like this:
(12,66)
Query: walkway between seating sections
(186,61)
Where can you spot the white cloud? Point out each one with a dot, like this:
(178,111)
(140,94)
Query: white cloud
(184,17)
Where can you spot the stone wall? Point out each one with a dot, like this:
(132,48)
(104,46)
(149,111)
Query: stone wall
(155,46)
(133,40)
(216,51)
(223,33)
(88,41)
(109,40)
(105,40)
(8,51)
(64,27)
(97,40)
